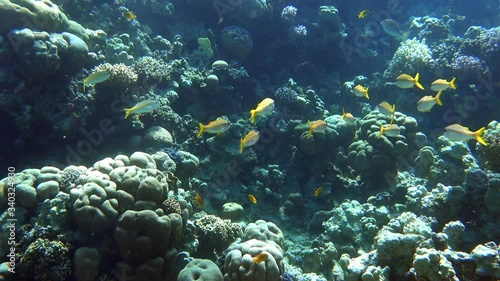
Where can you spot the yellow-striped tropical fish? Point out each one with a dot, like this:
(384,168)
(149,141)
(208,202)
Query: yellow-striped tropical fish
(264,108)
(458,132)
(142,107)
(405,81)
(250,139)
(96,77)
(316,126)
(218,126)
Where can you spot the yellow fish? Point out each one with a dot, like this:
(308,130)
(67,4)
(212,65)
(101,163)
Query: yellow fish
(441,85)
(129,15)
(386,108)
(317,126)
(363,14)
(250,139)
(142,107)
(458,132)
(252,198)
(260,258)
(218,126)
(391,130)
(96,77)
(425,104)
(405,81)
(199,201)
(318,191)
(348,118)
(360,91)
(264,108)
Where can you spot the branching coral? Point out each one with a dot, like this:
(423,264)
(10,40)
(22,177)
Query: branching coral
(489,155)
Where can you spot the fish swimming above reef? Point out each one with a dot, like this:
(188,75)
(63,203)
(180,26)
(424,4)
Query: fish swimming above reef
(218,126)
(360,91)
(199,201)
(264,108)
(318,191)
(392,28)
(252,198)
(316,126)
(260,258)
(348,117)
(142,107)
(386,108)
(391,130)
(96,77)
(458,132)
(363,14)
(250,139)
(426,103)
(129,15)
(405,81)
(442,84)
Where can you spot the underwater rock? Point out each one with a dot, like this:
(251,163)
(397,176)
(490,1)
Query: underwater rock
(232,211)
(40,15)
(41,54)
(142,160)
(86,263)
(187,164)
(157,137)
(264,231)
(237,42)
(487,259)
(239,265)
(215,233)
(431,264)
(202,270)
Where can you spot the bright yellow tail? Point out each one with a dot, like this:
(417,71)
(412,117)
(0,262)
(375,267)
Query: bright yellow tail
(479,136)
(417,83)
(200,132)
(253,114)
(128,111)
(438,98)
(366,93)
(242,145)
(452,83)
(309,134)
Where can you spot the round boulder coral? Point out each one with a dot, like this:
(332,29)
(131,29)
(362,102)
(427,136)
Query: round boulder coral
(200,270)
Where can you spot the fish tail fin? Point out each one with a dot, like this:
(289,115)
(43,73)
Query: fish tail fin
(309,134)
(438,98)
(452,83)
(200,132)
(366,93)
(418,83)
(242,145)
(478,135)
(84,87)
(128,111)
(343,113)
(381,131)
(253,114)
(405,36)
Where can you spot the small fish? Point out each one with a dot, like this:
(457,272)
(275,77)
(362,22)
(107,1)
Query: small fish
(360,91)
(442,84)
(386,108)
(218,126)
(260,258)
(405,81)
(221,20)
(252,198)
(264,108)
(425,104)
(129,15)
(199,201)
(317,126)
(142,107)
(318,191)
(458,132)
(96,77)
(250,139)
(348,118)
(391,130)
(363,14)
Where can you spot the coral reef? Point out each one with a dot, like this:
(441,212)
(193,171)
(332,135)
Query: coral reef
(411,57)
(215,233)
